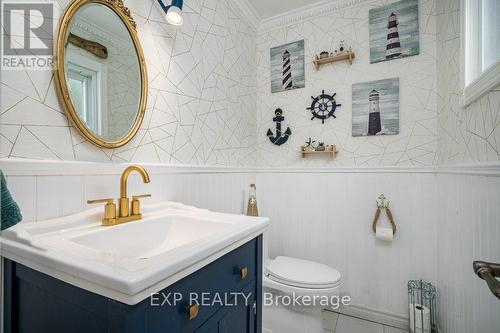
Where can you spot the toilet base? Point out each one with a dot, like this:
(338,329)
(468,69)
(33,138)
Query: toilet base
(281,319)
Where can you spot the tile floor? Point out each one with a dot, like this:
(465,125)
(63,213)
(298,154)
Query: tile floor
(338,323)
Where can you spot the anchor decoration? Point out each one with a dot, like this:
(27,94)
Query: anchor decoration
(323,106)
(280,137)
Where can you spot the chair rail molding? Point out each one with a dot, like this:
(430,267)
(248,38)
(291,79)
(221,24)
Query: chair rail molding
(28,167)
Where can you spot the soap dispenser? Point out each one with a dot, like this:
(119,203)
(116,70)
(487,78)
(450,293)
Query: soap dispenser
(252,201)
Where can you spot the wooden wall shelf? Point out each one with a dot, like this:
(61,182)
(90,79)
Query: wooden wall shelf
(349,55)
(332,152)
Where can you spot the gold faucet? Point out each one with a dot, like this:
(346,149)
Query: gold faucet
(127,211)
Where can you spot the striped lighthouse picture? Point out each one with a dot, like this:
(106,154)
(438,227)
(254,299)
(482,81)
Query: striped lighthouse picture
(287,67)
(393,48)
(287,71)
(394,31)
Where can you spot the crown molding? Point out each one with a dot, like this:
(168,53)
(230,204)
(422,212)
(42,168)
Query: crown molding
(247,10)
(83,25)
(306,12)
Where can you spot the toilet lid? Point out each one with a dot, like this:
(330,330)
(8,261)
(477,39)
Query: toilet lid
(302,273)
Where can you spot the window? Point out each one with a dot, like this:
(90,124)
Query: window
(82,87)
(87,84)
(481,48)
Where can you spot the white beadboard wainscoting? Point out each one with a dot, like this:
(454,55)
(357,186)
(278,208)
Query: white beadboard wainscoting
(468,229)
(446,217)
(327,217)
(47,190)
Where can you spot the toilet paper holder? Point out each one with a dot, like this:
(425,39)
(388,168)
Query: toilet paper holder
(383,203)
(422,307)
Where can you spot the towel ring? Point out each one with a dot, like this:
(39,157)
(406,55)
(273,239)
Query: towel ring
(383,203)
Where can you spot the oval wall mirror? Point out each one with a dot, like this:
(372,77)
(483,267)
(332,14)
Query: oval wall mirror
(100,71)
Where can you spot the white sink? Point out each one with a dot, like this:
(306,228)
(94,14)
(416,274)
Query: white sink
(146,239)
(130,261)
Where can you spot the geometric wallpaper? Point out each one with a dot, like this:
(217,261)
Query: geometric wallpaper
(417,142)
(201,100)
(470,134)
(209,99)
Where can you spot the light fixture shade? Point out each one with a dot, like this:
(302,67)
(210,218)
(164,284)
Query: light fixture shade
(174,15)
(173,12)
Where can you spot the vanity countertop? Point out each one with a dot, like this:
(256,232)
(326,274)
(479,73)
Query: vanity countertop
(129,262)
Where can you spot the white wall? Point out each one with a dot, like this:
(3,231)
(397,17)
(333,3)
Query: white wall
(417,142)
(468,229)
(470,134)
(326,216)
(201,100)
(46,190)
(468,219)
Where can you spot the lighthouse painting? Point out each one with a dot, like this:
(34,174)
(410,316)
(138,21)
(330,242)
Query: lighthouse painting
(287,67)
(375,108)
(394,31)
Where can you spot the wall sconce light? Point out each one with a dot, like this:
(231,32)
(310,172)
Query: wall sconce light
(173,12)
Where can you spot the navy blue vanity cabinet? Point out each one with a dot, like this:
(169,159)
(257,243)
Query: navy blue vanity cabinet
(238,318)
(38,303)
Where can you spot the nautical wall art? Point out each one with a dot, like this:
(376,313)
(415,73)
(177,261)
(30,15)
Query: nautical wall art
(288,67)
(394,31)
(375,108)
(280,137)
(323,106)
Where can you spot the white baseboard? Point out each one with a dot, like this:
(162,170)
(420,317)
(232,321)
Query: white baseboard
(377,316)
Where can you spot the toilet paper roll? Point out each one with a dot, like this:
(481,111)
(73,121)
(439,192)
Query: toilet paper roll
(420,319)
(384,234)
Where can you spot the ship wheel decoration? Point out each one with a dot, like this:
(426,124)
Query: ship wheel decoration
(323,106)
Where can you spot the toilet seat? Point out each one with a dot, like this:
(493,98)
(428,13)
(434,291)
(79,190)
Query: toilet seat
(302,273)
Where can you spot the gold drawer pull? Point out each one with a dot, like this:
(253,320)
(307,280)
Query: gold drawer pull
(244,272)
(192,311)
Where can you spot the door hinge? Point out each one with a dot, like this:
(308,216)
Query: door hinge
(254,308)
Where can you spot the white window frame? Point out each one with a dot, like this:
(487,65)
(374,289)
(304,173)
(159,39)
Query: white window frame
(471,56)
(89,78)
(101,80)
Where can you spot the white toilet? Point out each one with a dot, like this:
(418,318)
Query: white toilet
(285,276)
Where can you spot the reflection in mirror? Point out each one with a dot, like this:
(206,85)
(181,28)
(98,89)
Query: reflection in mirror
(102,72)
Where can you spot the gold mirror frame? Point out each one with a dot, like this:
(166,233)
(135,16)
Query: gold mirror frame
(59,70)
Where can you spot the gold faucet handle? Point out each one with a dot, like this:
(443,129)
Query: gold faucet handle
(109,210)
(96,201)
(142,196)
(136,204)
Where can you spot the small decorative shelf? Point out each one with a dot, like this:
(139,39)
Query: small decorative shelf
(348,55)
(332,152)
